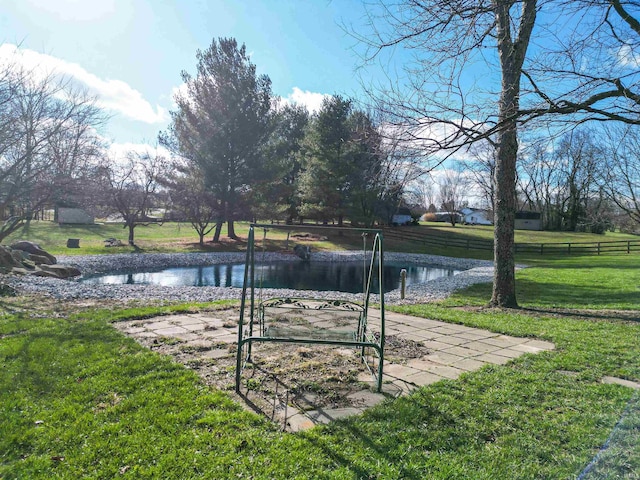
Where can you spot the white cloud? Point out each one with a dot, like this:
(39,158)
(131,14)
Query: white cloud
(628,57)
(312,100)
(113,95)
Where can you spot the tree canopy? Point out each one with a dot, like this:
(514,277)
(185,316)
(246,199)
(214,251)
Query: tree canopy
(478,70)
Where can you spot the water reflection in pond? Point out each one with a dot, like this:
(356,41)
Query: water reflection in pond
(298,275)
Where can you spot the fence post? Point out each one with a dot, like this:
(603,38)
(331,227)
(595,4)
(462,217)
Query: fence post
(628,246)
(598,248)
(569,249)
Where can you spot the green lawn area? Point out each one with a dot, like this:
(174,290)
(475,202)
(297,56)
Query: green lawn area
(589,282)
(180,237)
(78,399)
(523,236)
(168,237)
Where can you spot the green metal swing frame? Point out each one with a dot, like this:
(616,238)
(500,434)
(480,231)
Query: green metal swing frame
(254,314)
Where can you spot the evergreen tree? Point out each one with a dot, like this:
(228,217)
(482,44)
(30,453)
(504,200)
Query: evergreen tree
(221,125)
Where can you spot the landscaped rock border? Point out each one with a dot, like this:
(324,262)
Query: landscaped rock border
(476,271)
(28,258)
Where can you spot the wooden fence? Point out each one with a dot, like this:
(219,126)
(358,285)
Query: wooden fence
(436,240)
(555,248)
(580,248)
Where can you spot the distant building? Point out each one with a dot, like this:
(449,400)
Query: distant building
(402,217)
(75,216)
(527,220)
(474,216)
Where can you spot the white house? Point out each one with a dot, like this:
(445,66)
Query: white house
(476,216)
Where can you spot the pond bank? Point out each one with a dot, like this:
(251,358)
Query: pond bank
(476,271)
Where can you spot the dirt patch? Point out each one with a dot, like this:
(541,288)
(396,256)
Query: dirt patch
(280,377)
(399,350)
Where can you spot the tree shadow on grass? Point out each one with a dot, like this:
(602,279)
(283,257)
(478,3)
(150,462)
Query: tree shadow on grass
(548,294)
(614,315)
(396,426)
(551,297)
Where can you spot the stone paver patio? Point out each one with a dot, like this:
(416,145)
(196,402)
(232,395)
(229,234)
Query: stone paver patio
(453,350)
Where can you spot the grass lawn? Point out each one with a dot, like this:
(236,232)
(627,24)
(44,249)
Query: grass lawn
(483,232)
(590,282)
(180,237)
(78,399)
(168,237)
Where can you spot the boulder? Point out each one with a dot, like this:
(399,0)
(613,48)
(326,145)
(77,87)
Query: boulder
(59,271)
(27,258)
(42,273)
(7,290)
(33,249)
(40,259)
(19,256)
(7,259)
(21,271)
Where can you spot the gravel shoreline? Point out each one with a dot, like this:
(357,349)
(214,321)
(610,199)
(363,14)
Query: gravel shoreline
(476,271)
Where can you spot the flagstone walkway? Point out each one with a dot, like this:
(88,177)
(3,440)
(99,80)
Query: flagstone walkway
(453,350)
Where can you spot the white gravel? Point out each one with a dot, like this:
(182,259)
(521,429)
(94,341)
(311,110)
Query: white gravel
(476,271)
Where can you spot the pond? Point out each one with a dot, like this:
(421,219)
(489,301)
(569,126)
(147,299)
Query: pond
(297,275)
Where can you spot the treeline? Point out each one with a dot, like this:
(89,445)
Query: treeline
(241,153)
(586,181)
(233,150)
(53,154)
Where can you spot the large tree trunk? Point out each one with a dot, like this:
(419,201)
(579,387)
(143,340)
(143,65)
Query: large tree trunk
(131,227)
(217,231)
(504,281)
(231,231)
(228,215)
(512,53)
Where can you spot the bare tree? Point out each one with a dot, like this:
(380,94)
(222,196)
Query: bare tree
(622,176)
(47,138)
(423,191)
(398,164)
(579,160)
(444,105)
(561,180)
(131,188)
(452,188)
(482,167)
(539,181)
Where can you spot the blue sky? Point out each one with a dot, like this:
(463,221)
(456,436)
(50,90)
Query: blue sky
(130,52)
